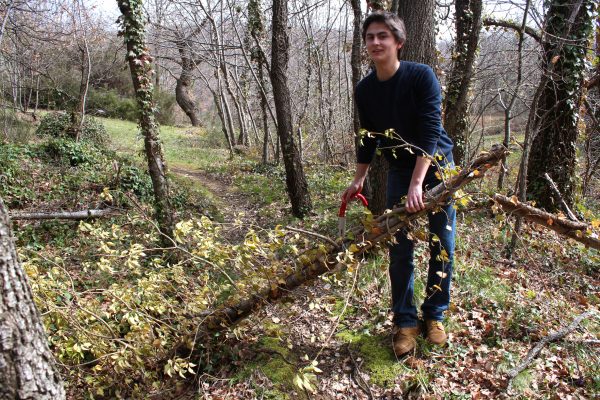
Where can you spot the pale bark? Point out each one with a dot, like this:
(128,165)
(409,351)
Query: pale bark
(72,215)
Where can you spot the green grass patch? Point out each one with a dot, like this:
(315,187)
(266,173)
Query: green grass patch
(380,361)
(184,147)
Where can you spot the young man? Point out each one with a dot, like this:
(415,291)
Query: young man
(405,96)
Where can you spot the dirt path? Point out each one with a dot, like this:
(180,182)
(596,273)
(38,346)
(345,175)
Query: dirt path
(233,205)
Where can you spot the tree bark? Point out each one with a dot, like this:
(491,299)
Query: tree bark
(568,28)
(184,84)
(132,23)
(419,19)
(297,186)
(456,104)
(27,369)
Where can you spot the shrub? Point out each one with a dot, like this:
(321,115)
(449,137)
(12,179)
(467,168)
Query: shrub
(69,152)
(165,103)
(111,104)
(132,178)
(56,125)
(14,128)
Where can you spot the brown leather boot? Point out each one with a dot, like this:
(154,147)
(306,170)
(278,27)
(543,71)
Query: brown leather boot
(435,332)
(405,340)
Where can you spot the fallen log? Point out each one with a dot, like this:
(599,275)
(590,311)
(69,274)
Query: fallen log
(579,231)
(72,215)
(330,258)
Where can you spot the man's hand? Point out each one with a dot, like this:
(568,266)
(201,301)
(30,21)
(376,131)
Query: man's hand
(414,198)
(357,183)
(352,190)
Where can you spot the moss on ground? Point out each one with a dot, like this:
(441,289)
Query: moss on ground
(380,361)
(274,366)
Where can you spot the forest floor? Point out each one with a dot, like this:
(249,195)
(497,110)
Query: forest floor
(327,340)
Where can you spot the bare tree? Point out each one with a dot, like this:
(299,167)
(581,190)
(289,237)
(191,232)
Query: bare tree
(27,368)
(297,185)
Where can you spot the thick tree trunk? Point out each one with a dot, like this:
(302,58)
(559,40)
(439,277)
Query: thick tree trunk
(27,369)
(553,150)
(419,19)
(184,84)
(297,186)
(456,116)
(132,21)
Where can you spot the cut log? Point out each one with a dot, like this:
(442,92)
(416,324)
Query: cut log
(327,258)
(579,231)
(74,215)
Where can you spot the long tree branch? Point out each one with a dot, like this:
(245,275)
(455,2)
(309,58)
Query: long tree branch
(488,21)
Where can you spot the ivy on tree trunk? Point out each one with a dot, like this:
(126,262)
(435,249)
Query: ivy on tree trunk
(132,29)
(567,30)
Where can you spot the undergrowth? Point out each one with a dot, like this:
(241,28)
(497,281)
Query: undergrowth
(114,305)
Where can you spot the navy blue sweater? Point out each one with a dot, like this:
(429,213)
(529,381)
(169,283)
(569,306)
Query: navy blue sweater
(410,103)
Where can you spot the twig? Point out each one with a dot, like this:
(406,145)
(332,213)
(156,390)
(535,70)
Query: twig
(357,375)
(559,197)
(552,337)
(311,233)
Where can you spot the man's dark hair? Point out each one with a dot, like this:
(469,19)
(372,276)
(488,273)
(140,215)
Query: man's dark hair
(391,20)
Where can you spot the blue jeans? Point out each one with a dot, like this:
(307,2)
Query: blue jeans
(443,225)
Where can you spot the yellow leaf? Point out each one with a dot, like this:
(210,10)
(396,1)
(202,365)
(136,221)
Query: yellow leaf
(596,223)
(437,287)
(514,200)
(550,221)
(353,248)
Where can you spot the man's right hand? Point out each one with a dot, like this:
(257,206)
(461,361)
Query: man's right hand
(352,190)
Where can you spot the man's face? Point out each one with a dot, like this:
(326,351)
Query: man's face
(381,43)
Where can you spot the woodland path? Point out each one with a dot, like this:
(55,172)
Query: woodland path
(232,204)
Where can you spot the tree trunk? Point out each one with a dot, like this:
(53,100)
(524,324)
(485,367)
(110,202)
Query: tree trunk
(419,20)
(78,112)
(132,25)
(184,84)
(297,186)
(456,116)
(568,27)
(27,369)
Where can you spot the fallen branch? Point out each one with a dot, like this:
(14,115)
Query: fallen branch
(578,231)
(73,215)
(330,258)
(559,197)
(552,337)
